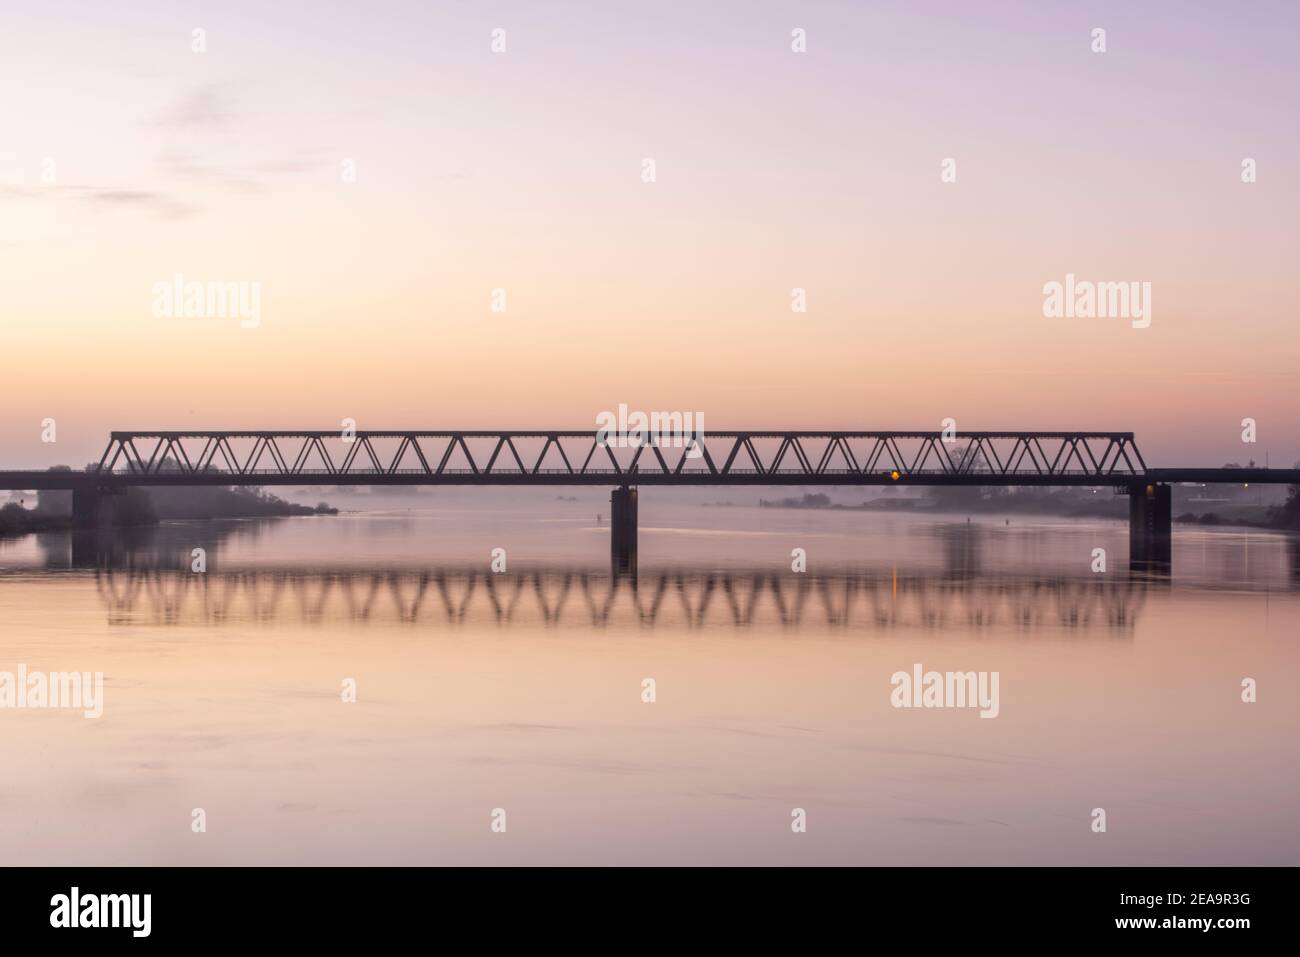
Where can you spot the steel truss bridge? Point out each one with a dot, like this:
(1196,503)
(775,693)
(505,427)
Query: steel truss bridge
(671,597)
(549,457)
(552,457)
(630,460)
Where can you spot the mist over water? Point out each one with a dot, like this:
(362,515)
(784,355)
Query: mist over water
(522,690)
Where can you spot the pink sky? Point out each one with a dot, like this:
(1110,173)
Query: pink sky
(775,170)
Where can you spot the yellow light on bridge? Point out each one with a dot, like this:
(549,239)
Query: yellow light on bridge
(895,475)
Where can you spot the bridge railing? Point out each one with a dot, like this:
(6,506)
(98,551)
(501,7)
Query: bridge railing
(320,455)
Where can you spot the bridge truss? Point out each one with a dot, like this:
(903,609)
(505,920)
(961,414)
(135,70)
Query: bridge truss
(560,457)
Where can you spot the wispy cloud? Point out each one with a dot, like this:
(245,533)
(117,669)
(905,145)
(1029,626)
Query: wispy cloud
(160,205)
(202,108)
(157,204)
(255,177)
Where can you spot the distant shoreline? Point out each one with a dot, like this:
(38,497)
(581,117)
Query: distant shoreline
(137,508)
(1252,516)
(16,520)
(921,505)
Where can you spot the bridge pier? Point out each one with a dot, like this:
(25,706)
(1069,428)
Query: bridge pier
(622,529)
(1150,526)
(92,508)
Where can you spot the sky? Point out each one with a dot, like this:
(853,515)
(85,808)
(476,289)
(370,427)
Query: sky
(128,158)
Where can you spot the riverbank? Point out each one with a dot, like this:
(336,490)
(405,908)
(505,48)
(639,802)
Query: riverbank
(1107,506)
(1244,515)
(227,502)
(16,520)
(138,507)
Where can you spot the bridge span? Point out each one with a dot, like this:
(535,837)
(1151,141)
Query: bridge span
(627,461)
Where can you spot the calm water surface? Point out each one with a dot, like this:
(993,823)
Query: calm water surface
(522,691)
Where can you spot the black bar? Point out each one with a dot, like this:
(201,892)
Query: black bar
(979,909)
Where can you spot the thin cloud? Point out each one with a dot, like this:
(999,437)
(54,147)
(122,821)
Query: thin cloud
(160,205)
(103,198)
(203,108)
(240,177)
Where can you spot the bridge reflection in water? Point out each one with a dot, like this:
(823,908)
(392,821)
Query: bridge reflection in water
(678,598)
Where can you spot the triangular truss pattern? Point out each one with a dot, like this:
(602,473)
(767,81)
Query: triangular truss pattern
(546,455)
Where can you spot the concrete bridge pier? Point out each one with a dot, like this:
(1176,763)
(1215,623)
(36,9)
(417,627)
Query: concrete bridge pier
(1150,526)
(92,509)
(622,530)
